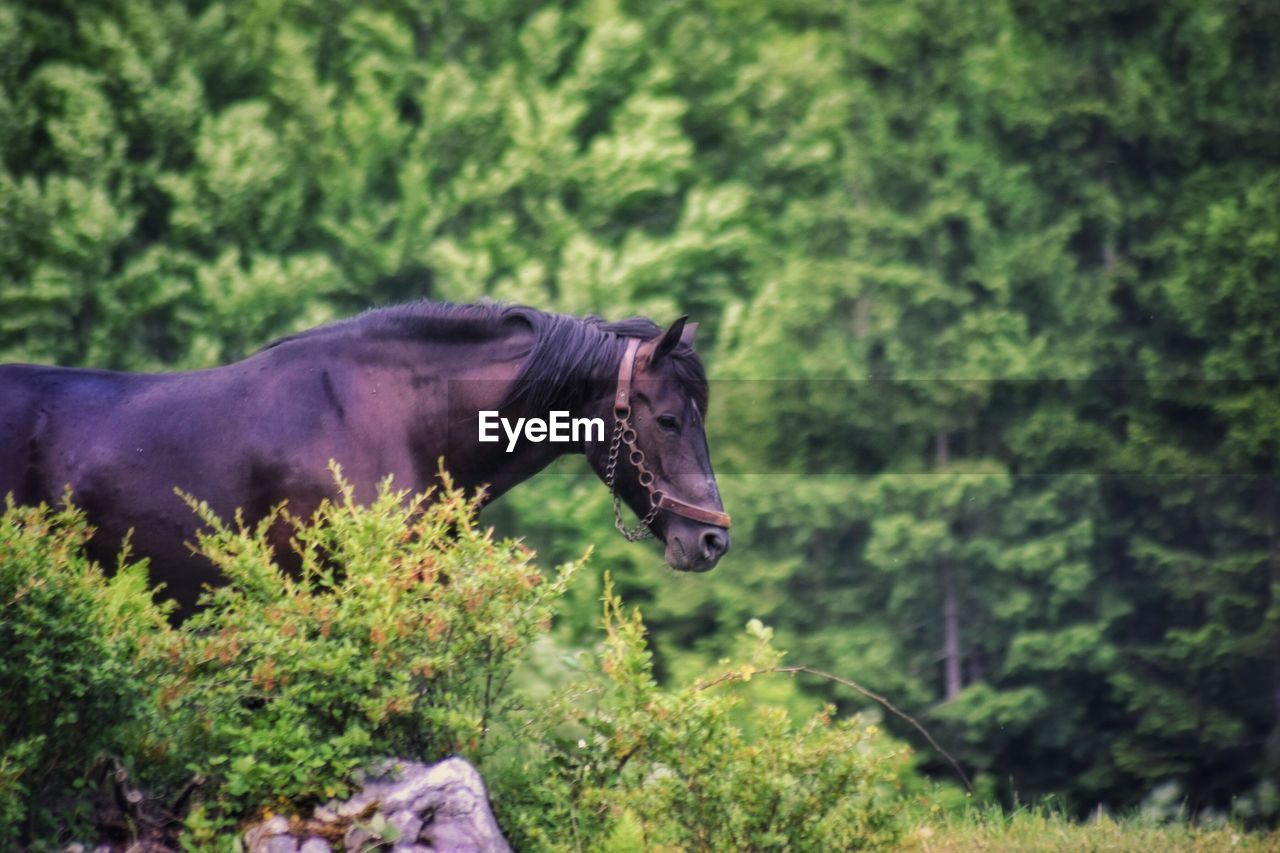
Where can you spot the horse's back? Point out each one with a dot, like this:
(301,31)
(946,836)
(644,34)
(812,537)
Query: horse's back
(23,390)
(119,443)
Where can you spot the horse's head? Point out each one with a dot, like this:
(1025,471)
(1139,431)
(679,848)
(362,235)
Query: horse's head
(656,457)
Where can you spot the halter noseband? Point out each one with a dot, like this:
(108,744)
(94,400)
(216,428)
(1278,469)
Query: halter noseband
(624,433)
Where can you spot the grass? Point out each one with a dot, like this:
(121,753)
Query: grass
(1045,830)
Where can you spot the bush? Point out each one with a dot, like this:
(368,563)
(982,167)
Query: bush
(621,763)
(70,683)
(395,638)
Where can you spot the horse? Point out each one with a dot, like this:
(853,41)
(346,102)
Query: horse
(396,392)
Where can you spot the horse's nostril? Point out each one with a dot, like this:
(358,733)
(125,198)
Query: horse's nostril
(714,544)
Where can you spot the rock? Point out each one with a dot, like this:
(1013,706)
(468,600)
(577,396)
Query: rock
(357,839)
(409,807)
(326,815)
(451,791)
(352,807)
(256,840)
(408,826)
(281,844)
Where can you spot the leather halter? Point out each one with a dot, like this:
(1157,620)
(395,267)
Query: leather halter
(624,433)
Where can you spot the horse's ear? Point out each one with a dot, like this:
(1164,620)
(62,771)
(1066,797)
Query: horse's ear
(690,329)
(669,339)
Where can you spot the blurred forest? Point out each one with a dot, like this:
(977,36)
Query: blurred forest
(989,293)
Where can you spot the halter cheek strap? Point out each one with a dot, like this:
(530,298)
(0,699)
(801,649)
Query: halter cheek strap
(622,399)
(624,433)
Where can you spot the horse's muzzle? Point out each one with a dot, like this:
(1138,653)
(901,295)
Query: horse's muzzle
(696,550)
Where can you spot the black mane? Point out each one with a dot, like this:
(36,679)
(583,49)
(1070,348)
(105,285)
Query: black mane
(570,356)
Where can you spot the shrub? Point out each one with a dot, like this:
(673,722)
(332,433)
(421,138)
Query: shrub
(624,764)
(70,686)
(395,638)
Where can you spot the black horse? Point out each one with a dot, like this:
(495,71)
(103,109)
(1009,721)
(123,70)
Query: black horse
(390,392)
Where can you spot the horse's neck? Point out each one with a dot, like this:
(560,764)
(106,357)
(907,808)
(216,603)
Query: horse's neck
(480,383)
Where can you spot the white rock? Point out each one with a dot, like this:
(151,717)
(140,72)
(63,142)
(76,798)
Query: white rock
(256,839)
(408,826)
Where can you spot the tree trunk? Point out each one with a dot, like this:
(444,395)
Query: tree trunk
(1271,753)
(950,602)
(950,632)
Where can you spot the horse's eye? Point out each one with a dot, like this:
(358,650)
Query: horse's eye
(669,423)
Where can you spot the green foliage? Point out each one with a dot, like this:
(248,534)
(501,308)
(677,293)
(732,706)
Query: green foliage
(627,764)
(70,684)
(395,637)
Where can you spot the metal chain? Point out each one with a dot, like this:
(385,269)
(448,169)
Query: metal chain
(624,434)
